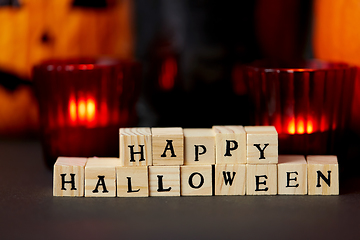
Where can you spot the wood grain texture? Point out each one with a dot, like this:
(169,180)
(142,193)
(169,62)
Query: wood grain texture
(168,176)
(230,179)
(224,138)
(162,140)
(100,177)
(292,175)
(199,146)
(133,142)
(132,181)
(196,180)
(69,166)
(323,175)
(263,138)
(261,179)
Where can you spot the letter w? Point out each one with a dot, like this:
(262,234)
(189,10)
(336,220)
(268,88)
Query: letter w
(228,178)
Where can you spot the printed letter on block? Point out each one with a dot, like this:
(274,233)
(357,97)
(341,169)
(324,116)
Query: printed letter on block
(323,175)
(168,146)
(100,177)
(262,144)
(135,147)
(230,179)
(199,146)
(292,175)
(69,177)
(230,144)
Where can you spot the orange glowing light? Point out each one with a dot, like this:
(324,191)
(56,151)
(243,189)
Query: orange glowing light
(72,109)
(300,126)
(90,110)
(168,74)
(82,110)
(291,126)
(309,127)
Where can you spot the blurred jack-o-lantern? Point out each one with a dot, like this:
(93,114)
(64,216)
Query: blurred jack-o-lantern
(34,30)
(31,31)
(336,37)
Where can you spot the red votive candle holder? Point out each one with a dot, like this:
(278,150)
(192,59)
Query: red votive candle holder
(308,102)
(83,103)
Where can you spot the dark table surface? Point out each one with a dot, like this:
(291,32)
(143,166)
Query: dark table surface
(29,211)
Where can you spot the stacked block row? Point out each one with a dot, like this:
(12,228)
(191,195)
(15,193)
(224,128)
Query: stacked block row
(224,160)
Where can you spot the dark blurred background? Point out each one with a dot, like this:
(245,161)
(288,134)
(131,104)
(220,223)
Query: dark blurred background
(190,51)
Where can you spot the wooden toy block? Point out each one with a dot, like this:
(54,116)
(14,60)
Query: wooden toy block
(230,144)
(164,181)
(100,177)
(132,181)
(199,146)
(69,177)
(261,179)
(135,147)
(292,175)
(261,144)
(230,179)
(323,175)
(168,146)
(196,180)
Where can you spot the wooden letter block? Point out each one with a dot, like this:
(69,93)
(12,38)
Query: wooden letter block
(135,147)
(230,179)
(199,146)
(196,180)
(69,177)
(100,177)
(164,180)
(292,175)
(261,179)
(323,175)
(230,144)
(132,181)
(262,144)
(168,146)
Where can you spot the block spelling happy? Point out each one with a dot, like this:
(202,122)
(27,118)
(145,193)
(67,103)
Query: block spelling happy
(323,175)
(132,181)
(199,146)
(135,147)
(100,177)
(168,146)
(164,181)
(69,177)
(230,144)
(261,179)
(230,179)
(261,144)
(196,180)
(292,175)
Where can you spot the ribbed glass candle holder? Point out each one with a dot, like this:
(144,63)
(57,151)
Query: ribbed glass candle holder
(309,103)
(83,102)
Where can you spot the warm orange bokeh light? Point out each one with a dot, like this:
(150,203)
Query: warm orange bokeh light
(168,74)
(309,128)
(82,110)
(90,110)
(72,109)
(299,126)
(291,126)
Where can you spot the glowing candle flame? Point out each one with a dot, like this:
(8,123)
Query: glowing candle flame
(291,126)
(72,109)
(90,110)
(82,110)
